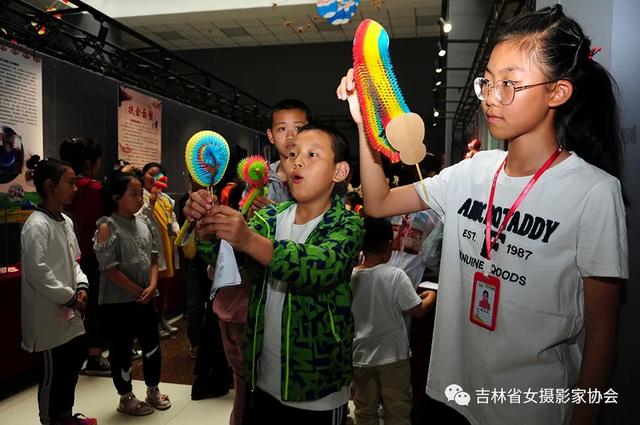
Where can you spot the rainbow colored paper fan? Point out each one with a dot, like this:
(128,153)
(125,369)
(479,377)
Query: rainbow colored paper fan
(207,157)
(392,129)
(254,170)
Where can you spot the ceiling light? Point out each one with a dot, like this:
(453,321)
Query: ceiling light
(436,114)
(446,26)
(441,50)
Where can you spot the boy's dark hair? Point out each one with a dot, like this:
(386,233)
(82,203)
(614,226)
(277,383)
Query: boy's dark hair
(45,169)
(378,232)
(151,165)
(339,146)
(588,123)
(77,150)
(113,188)
(287,104)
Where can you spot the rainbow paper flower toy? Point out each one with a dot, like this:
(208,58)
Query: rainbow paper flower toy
(254,171)
(160,183)
(391,128)
(207,157)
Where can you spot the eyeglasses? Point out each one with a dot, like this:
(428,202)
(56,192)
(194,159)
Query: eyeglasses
(505,90)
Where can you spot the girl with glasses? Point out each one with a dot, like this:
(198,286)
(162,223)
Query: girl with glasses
(541,228)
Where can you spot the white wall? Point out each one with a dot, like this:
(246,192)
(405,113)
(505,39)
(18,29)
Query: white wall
(614,25)
(595,17)
(625,63)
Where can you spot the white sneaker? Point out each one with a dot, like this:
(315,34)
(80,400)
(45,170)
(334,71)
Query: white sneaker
(167,327)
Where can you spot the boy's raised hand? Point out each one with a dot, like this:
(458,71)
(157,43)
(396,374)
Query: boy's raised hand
(347,91)
(199,204)
(228,224)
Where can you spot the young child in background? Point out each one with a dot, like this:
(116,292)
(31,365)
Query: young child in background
(212,372)
(84,155)
(381,294)
(54,293)
(230,305)
(128,258)
(411,230)
(197,284)
(541,227)
(286,118)
(298,342)
(158,207)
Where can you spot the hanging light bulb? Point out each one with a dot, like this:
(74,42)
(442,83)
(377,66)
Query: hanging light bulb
(441,50)
(446,26)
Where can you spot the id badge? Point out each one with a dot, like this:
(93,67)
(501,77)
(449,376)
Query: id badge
(484,300)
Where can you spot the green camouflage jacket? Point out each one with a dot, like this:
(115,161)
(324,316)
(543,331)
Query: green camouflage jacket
(317,326)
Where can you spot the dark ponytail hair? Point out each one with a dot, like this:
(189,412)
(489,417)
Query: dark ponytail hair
(113,188)
(588,122)
(77,150)
(151,165)
(41,170)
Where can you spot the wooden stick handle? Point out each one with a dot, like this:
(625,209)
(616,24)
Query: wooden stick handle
(424,186)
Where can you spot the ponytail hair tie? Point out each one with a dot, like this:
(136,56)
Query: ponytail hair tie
(593,52)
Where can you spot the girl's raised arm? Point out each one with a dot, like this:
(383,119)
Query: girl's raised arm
(379,201)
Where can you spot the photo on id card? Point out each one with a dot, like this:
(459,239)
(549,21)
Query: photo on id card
(484,301)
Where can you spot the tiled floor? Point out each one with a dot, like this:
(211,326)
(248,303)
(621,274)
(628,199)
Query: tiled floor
(96,397)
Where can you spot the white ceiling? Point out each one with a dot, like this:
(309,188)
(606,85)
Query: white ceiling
(278,25)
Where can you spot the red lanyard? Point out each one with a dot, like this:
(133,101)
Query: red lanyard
(487,234)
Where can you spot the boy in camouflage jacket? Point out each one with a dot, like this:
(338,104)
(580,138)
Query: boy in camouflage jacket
(316,323)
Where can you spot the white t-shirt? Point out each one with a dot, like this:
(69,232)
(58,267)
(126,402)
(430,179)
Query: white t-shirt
(269,362)
(380,295)
(409,233)
(570,226)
